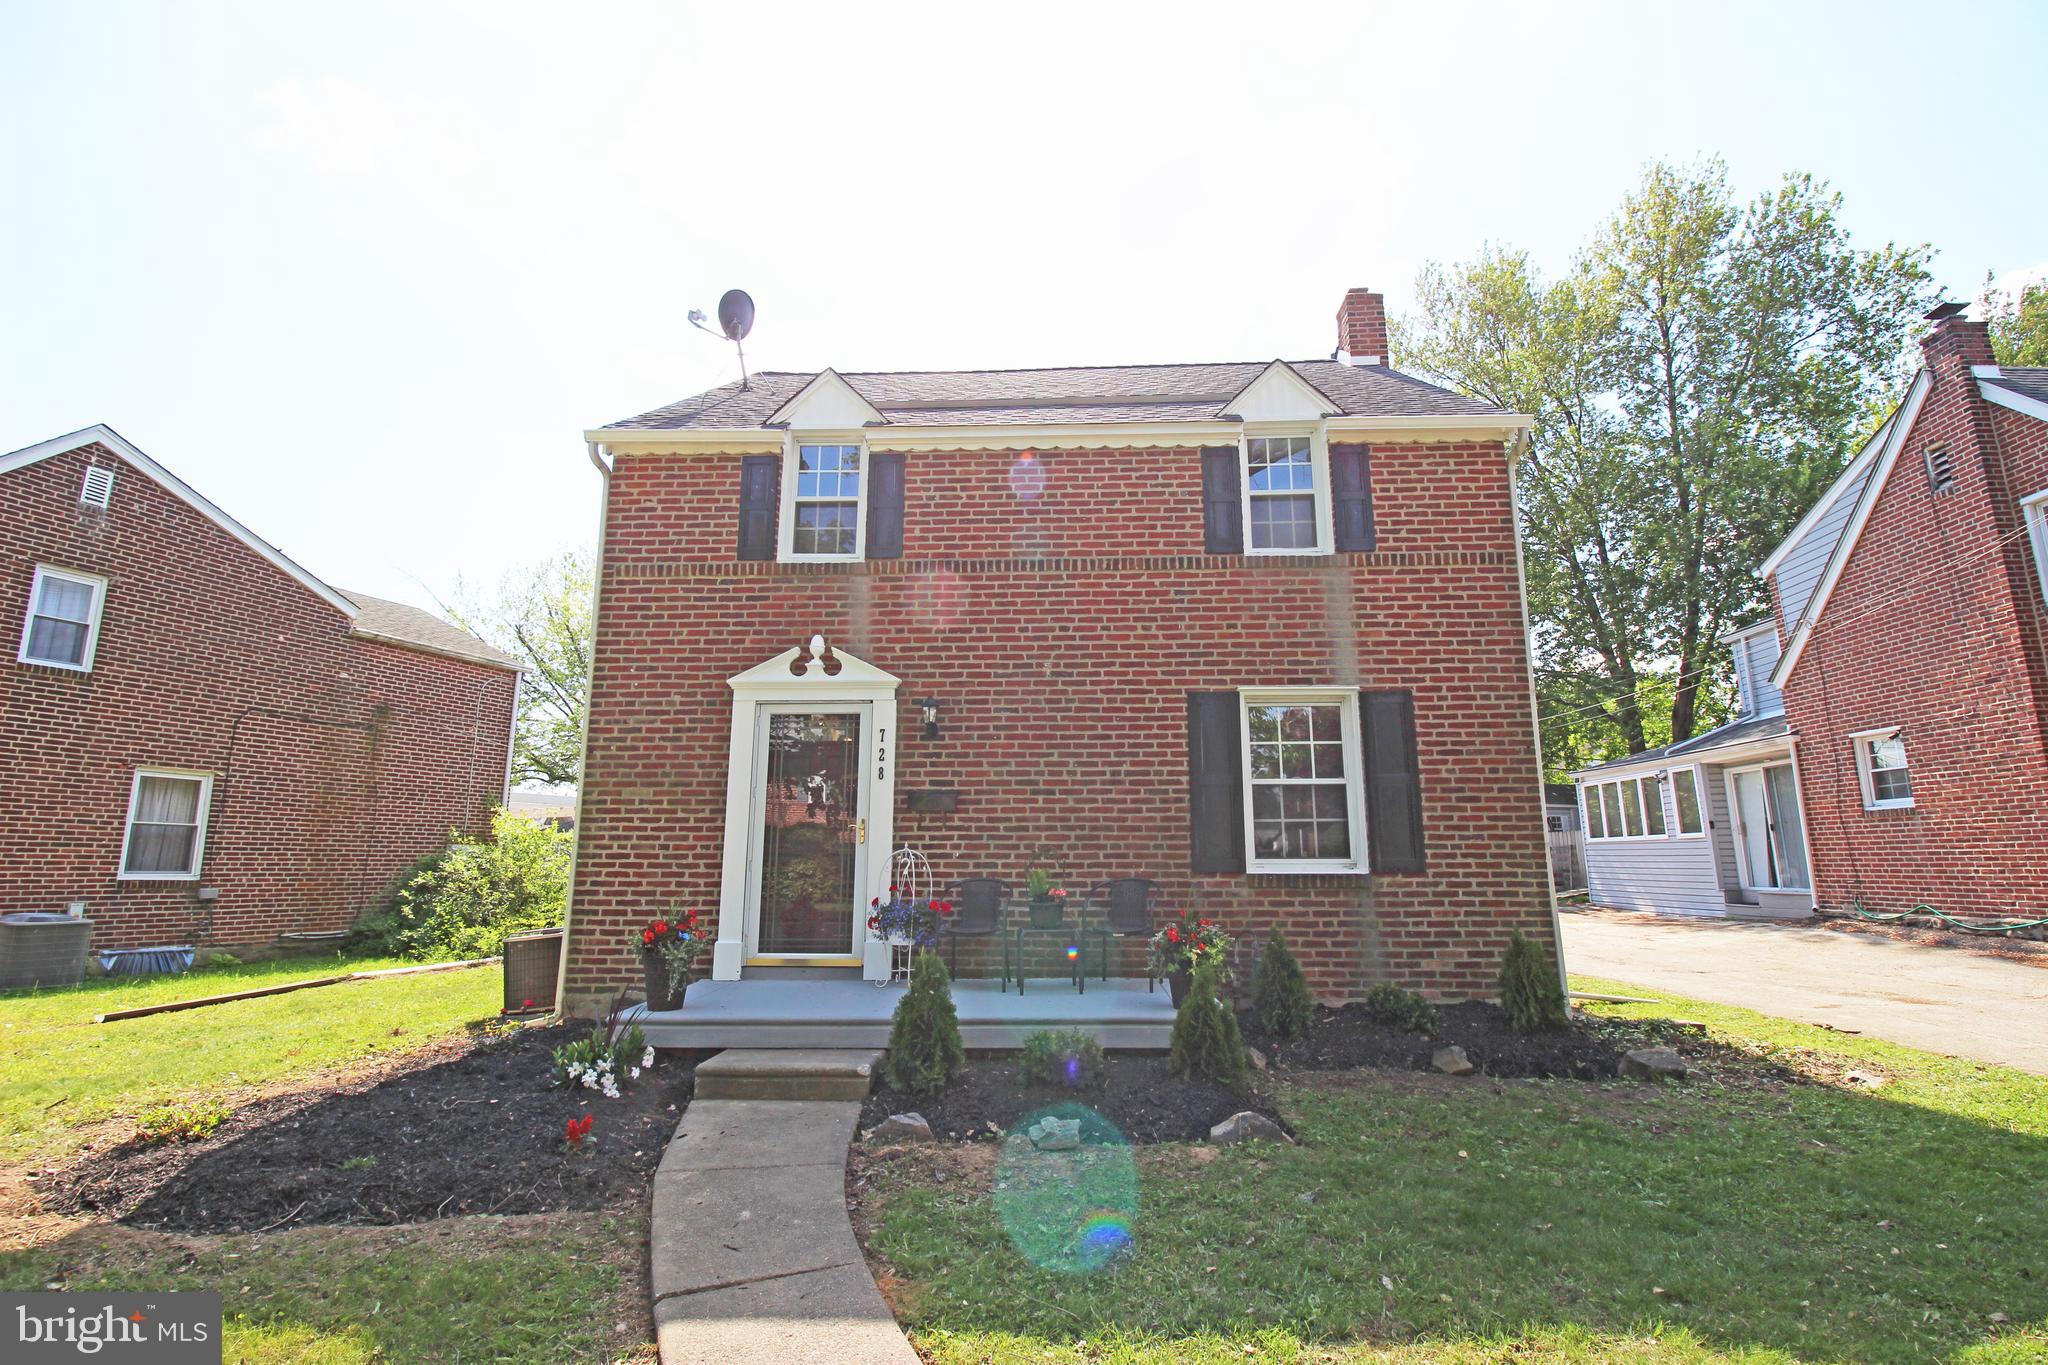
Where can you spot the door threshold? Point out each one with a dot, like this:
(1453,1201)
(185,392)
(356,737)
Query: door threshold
(801,960)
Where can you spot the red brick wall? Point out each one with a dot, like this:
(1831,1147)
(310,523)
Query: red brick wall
(337,760)
(1060,607)
(1935,627)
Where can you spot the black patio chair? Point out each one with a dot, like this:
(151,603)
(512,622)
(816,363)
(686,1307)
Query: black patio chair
(977,913)
(1129,905)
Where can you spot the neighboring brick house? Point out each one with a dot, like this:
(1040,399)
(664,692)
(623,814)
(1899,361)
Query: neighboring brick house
(212,746)
(1253,630)
(1892,745)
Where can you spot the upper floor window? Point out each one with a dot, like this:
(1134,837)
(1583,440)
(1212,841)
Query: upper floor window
(1283,495)
(63,623)
(826,502)
(1303,773)
(1881,763)
(166,825)
(2035,509)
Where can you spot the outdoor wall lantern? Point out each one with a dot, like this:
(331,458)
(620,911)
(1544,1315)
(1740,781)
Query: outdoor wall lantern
(929,708)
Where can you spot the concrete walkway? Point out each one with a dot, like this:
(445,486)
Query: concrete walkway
(753,1256)
(1945,1000)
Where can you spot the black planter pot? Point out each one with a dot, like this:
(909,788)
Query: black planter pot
(1178,984)
(1047,913)
(662,994)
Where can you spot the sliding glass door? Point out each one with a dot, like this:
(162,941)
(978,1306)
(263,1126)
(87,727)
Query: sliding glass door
(1770,837)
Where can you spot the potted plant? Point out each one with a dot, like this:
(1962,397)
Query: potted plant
(1182,942)
(1048,902)
(669,948)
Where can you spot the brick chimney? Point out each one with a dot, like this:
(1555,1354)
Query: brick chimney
(1956,341)
(1362,329)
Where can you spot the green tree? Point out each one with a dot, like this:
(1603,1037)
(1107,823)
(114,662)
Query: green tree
(462,901)
(925,1055)
(1206,1043)
(1698,375)
(1281,1001)
(2019,322)
(542,615)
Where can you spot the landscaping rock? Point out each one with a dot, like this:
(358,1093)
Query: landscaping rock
(1244,1126)
(1256,1058)
(901,1128)
(1452,1061)
(1869,1080)
(1653,1064)
(1055,1135)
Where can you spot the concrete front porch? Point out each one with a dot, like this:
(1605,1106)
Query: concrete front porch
(841,1012)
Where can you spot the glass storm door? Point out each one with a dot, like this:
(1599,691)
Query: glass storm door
(810,834)
(1768,827)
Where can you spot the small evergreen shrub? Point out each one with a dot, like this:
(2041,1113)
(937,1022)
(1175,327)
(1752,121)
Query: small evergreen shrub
(1529,988)
(925,1055)
(1390,1005)
(1206,1043)
(1280,1000)
(462,901)
(1061,1056)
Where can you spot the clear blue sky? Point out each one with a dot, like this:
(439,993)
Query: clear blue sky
(363,273)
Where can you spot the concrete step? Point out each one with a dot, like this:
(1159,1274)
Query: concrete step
(747,1073)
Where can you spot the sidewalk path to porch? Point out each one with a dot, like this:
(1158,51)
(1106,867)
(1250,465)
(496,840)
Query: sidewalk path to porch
(753,1256)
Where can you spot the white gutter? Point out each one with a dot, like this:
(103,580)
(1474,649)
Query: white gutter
(604,513)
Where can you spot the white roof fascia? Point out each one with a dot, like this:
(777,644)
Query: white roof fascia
(1828,498)
(2006,398)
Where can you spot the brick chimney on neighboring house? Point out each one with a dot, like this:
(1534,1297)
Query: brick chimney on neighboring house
(1362,329)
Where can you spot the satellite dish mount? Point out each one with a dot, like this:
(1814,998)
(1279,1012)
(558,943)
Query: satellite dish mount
(735,320)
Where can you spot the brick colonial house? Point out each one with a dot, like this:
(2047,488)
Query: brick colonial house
(1252,630)
(211,745)
(1895,706)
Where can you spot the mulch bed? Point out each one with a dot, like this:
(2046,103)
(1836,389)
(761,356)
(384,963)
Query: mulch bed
(1347,1037)
(1136,1096)
(468,1127)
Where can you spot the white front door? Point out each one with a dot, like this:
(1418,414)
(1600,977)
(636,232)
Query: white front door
(807,856)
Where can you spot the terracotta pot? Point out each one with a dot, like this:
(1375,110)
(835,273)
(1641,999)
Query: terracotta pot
(662,994)
(1178,984)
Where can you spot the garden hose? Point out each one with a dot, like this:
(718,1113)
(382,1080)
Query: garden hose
(1998,927)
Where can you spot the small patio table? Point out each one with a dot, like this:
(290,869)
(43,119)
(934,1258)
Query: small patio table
(1075,940)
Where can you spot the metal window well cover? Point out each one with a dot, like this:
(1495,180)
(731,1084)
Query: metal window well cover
(170,959)
(533,961)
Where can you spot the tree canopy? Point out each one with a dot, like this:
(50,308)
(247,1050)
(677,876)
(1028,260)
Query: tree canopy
(2019,323)
(542,615)
(1698,375)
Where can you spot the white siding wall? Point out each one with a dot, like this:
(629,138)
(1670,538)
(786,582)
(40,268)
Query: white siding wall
(1721,833)
(1674,876)
(1799,573)
(1760,654)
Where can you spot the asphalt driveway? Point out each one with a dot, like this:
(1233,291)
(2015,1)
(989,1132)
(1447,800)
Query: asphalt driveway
(1945,1000)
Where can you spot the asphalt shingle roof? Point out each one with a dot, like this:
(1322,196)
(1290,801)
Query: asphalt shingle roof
(1734,732)
(2026,381)
(1114,393)
(397,622)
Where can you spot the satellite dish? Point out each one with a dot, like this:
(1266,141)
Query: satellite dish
(736,314)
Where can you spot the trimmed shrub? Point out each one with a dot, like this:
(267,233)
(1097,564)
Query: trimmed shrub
(1061,1056)
(462,901)
(1529,988)
(1390,1005)
(1280,999)
(1206,1044)
(925,1055)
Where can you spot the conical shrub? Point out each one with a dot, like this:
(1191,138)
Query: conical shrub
(1206,1042)
(924,1042)
(1280,1000)
(1529,988)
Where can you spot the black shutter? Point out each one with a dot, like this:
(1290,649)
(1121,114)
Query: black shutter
(1222,502)
(760,490)
(885,506)
(1215,796)
(1351,496)
(1393,782)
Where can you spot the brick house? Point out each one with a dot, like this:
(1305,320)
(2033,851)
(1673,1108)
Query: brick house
(1895,704)
(212,746)
(1254,630)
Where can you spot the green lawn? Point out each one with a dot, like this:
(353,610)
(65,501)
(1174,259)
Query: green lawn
(60,1071)
(1472,1220)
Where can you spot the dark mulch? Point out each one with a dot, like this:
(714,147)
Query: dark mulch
(467,1127)
(1136,1095)
(1347,1037)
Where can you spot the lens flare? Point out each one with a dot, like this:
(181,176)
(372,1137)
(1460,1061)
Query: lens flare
(1073,952)
(1068,1205)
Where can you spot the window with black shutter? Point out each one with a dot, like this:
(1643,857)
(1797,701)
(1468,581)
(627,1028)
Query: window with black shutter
(1393,781)
(760,489)
(1222,501)
(885,505)
(1351,496)
(1215,793)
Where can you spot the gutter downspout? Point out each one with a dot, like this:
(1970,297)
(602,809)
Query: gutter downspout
(604,512)
(1521,443)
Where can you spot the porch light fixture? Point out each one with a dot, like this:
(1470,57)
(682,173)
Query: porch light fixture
(929,710)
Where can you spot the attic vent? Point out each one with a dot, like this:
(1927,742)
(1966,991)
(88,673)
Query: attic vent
(1941,472)
(99,486)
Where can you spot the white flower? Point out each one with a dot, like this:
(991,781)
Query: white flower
(604,1064)
(647,1057)
(635,1073)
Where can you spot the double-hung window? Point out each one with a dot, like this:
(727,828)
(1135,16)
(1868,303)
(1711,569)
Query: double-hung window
(1284,495)
(1881,763)
(826,502)
(63,625)
(2035,510)
(1304,792)
(166,825)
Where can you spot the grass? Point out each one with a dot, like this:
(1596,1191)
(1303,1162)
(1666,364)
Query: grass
(1472,1220)
(64,1072)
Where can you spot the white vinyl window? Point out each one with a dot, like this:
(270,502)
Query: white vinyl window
(2035,510)
(166,825)
(1685,796)
(1881,763)
(1286,495)
(1304,795)
(63,625)
(1633,808)
(826,502)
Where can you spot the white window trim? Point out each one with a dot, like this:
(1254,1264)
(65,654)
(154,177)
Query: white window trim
(92,629)
(1352,735)
(1319,461)
(2035,510)
(205,780)
(785,532)
(1699,792)
(1744,877)
(1863,740)
(1642,810)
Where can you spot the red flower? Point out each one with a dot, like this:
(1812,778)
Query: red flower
(575,1130)
(874,921)
(529,1003)
(1204,923)
(661,926)
(1172,934)
(647,937)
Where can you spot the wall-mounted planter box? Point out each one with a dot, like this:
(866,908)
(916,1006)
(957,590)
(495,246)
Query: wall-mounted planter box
(933,800)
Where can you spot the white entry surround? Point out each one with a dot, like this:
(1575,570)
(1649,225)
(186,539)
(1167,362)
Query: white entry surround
(781,680)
